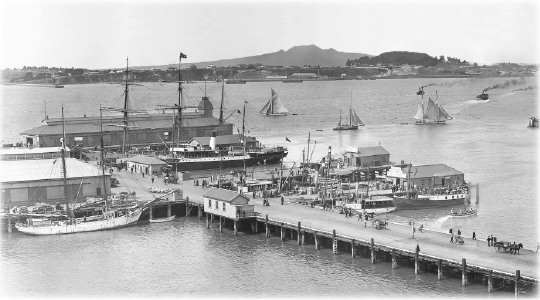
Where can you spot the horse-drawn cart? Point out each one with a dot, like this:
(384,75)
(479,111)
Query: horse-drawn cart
(379,224)
(507,247)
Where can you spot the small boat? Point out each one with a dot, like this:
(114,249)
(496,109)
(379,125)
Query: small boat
(434,113)
(161,220)
(420,91)
(461,214)
(274,107)
(483,96)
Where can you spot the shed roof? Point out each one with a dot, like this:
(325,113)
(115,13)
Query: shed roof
(151,122)
(46,169)
(439,170)
(224,195)
(371,151)
(146,160)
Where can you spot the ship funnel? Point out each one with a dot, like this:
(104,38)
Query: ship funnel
(213,141)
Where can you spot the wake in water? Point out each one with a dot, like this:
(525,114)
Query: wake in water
(508,94)
(474,101)
(438,223)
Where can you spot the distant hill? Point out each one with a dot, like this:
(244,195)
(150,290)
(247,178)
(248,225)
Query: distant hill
(296,56)
(401,57)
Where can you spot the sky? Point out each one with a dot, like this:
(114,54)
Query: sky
(102,34)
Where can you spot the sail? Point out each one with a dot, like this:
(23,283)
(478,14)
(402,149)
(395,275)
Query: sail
(274,106)
(356,119)
(277,106)
(419,112)
(443,115)
(432,111)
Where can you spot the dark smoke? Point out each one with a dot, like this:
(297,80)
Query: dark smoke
(530,87)
(506,84)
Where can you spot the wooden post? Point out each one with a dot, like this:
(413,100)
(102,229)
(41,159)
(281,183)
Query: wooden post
(373,258)
(316,240)
(9,222)
(220,224)
(267,229)
(517,283)
(334,242)
(187,207)
(212,218)
(235,227)
(207,221)
(199,212)
(353,251)
(416,262)
(282,232)
(253,222)
(394,259)
(299,235)
(490,281)
(256,226)
(150,210)
(169,209)
(464,272)
(477,193)
(303,238)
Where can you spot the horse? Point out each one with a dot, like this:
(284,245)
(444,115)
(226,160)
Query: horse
(515,248)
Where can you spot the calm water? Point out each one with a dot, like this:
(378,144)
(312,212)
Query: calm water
(488,141)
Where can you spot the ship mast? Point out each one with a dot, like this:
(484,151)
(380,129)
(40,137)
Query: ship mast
(221,106)
(103,159)
(63,155)
(125,120)
(182,55)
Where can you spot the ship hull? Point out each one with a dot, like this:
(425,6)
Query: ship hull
(403,203)
(65,228)
(227,162)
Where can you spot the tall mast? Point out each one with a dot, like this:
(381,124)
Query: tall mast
(221,106)
(308,140)
(437,105)
(103,159)
(63,154)
(182,55)
(173,132)
(244,127)
(350,113)
(125,120)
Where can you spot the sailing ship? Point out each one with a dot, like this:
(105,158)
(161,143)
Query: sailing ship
(483,96)
(354,121)
(188,157)
(65,224)
(433,113)
(274,107)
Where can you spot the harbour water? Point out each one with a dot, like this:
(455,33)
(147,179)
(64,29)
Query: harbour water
(488,141)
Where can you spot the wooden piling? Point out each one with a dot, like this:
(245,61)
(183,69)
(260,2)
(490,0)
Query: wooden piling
(416,262)
(517,283)
(150,210)
(439,272)
(373,257)
(235,227)
(394,259)
(220,224)
(253,226)
(169,209)
(207,220)
(212,218)
(299,236)
(282,232)
(477,193)
(9,223)
(334,242)
(267,229)
(316,238)
(353,250)
(199,212)
(464,272)
(187,208)
(490,281)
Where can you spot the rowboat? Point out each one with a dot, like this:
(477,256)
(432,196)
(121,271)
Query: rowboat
(161,220)
(465,214)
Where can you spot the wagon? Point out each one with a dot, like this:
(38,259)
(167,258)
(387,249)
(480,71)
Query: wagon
(502,245)
(379,224)
(459,240)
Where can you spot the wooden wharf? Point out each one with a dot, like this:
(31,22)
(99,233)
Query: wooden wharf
(473,261)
